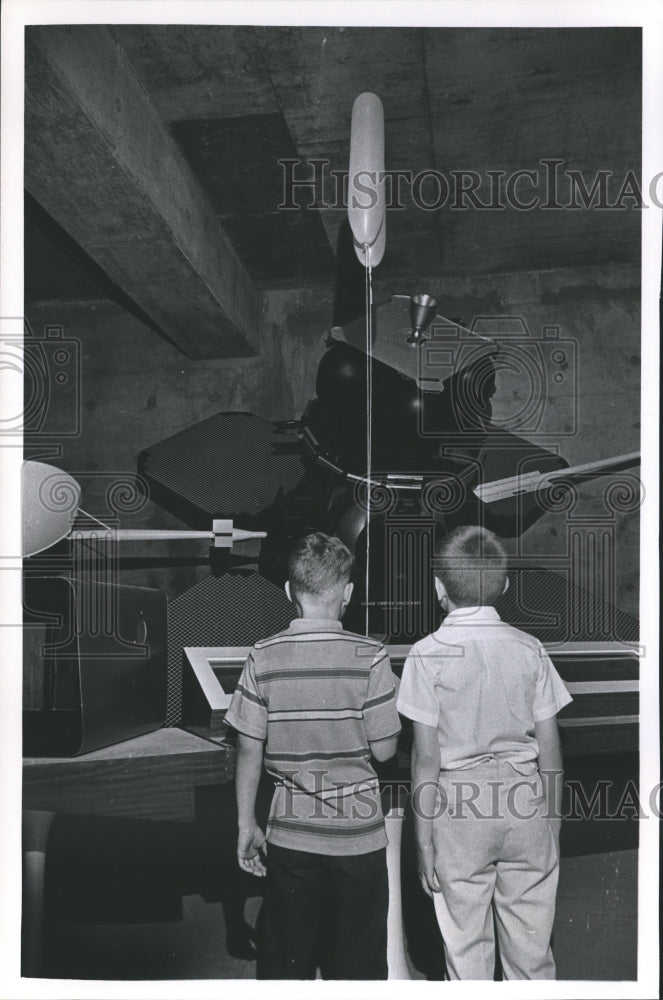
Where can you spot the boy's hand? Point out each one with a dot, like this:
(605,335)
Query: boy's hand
(250,846)
(426,868)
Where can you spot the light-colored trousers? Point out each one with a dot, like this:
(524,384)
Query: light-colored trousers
(497,859)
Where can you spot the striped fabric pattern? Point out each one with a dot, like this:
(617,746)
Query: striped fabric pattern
(318,695)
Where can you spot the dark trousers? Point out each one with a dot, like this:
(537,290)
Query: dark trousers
(323,911)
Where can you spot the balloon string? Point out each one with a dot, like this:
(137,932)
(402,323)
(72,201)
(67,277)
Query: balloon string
(369,417)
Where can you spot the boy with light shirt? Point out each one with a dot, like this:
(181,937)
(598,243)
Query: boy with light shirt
(486,770)
(315,703)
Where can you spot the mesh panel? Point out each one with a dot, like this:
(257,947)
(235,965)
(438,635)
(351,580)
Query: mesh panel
(236,609)
(543,603)
(228,465)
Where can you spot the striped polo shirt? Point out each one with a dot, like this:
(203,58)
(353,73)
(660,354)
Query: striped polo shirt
(317,695)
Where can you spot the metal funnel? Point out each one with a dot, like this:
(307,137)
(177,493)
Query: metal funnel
(422,310)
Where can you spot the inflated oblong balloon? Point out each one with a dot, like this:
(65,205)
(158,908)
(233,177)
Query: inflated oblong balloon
(373,254)
(366,183)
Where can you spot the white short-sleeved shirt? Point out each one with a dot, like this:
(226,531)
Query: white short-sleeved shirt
(483,684)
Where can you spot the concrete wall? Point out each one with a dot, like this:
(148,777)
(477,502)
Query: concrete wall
(135,390)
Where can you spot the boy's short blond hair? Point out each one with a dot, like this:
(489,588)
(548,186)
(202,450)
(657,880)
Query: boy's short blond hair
(318,564)
(471,563)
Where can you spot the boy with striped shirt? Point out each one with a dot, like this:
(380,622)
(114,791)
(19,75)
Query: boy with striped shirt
(314,704)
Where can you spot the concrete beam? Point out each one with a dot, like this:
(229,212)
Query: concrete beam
(102,163)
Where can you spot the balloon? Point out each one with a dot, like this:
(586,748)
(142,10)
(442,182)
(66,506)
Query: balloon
(376,251)
(366,185)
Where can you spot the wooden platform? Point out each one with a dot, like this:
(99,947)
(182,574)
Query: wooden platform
(150,777)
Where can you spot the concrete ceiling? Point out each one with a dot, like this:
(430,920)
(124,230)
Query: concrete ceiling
(153,151)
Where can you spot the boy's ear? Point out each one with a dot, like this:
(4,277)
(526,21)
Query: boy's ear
(347,592)
(506,585)
(440,590)
(287,591)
